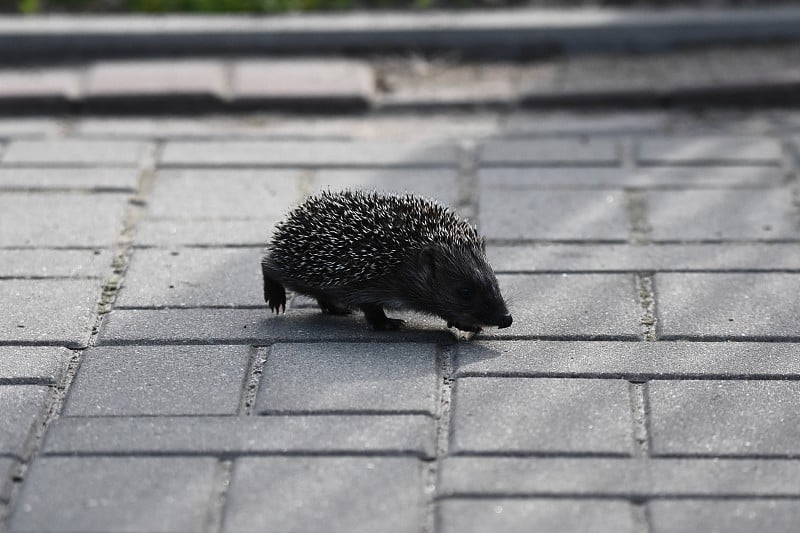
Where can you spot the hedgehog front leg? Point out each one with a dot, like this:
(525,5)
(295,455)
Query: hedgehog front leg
(274,293)
(378,319)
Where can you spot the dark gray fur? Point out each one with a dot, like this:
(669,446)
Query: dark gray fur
(368,251)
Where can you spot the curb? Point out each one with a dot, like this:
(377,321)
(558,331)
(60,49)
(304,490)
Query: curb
(504,34)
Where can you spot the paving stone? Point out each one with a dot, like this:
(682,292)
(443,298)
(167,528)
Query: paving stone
(233,194)
(510,515)
(74,152)
(349,377)
(631,360)
(174,79)
(724,516)
(33,364)
(176,233)
(440,184)
(710,150)
(724,417)
(559,257)
(193,277)
(60,219)
(96,179)
(158,380)
(27,127)
(718,215)
(728,305)
(646,76)
(26,85)
(331,81)
(256,326)
(553,215)
(23,263)
(217,435)
(113,494)
(527,415)
(564,151)
(643,177)
(599,122)
(29,319)
(335,494)
(309,153)
(7,468)
(571,305)
(564,476)
(24,407)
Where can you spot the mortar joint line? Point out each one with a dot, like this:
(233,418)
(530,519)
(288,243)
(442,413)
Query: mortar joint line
(258,359)
(467,179)
(219,496)
(444,365)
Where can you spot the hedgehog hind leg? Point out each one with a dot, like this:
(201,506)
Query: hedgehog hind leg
(330,307)
(274,292)
(378,319)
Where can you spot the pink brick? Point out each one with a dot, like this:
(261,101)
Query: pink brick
(148,78)
(49,83)
(303,79)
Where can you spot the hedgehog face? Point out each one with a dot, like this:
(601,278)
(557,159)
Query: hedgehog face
(462,288)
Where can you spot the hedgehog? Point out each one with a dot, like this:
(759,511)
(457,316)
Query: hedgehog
(370,251)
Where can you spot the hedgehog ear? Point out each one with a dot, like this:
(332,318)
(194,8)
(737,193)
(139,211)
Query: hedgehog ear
(428,258)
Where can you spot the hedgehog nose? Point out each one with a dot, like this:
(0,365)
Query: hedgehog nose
(505,321)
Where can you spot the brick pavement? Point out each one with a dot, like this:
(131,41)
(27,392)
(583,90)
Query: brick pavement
(649,382)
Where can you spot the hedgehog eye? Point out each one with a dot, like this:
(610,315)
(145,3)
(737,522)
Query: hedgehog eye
(465,292)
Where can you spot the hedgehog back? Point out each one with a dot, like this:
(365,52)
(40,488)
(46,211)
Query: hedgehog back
(340,239)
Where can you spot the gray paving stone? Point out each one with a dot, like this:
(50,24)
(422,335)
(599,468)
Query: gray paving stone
(564,476)
(571,305)
(33,364)
(74,152)
(54,263)
(158,380)
(559,257)
(193,277)
(349,377)
(335,494)
(529,415)
(553,215)
(724,516)
(215,435)
(643,177)
(562,122)
(511,515)
(111,494)
(29,319)
(724,417)
(175,233)
(309,153)
(256,326)
(549,151)
(60,219)
(441,184)
(728,305)
(46,178)
(631,360)
(23,409)
(721,215)
(710,150)
(7,468)
(224,194)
